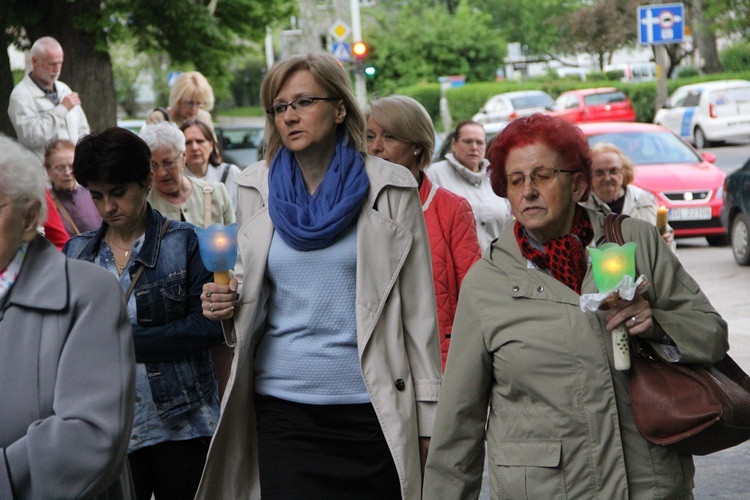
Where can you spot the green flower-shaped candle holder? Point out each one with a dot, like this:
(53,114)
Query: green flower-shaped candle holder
(611,263)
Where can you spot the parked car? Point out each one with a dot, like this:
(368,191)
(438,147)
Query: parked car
(681,179)
(709,112)
(606,104)
(633,72)
(134,125)
(735,214)
(502,108)
(240,144)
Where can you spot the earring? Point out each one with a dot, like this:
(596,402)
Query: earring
(416,152)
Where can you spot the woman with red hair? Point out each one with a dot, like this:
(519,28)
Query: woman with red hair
(560,423)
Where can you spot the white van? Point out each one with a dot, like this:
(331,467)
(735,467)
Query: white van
(633,72)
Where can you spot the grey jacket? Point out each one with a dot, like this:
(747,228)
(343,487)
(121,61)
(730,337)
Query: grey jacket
(560,422)
(68,381)
(396,328)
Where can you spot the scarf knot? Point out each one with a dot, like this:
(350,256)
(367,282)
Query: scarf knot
(563,257)
(312,222)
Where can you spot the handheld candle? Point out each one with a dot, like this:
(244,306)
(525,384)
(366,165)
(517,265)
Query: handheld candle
(610,263)
(218,249)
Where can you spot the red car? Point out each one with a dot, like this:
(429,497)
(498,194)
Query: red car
(686,182)
(594,105)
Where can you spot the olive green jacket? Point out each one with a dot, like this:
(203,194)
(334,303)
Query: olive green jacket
(560,422)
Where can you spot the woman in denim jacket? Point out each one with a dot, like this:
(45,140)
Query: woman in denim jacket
(177,406)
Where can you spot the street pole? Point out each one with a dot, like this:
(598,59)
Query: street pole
(269,47)
(360,87)
(662,68)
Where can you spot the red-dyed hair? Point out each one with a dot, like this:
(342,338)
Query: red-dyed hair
(558,134)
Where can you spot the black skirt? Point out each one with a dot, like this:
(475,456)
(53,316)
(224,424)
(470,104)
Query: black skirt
(322,452)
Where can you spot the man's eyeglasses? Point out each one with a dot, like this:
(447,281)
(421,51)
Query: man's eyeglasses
(167,164)
(299,104)
(538,177)
(612,172)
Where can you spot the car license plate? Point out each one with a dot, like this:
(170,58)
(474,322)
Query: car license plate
(690,213)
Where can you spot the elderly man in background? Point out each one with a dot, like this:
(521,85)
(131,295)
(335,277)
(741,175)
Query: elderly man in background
(42,108)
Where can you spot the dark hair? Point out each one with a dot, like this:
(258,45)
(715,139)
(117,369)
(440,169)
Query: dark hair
(114,156)
(558,134)
(462,124)
(208,134)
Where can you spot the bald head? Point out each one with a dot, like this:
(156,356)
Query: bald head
(46,60)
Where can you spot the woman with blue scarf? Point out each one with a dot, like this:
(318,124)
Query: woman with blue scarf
(337,366)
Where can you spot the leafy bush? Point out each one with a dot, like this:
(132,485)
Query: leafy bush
(736,57)
(688,72)
(428,95)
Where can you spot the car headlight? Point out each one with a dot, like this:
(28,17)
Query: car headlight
(720,193)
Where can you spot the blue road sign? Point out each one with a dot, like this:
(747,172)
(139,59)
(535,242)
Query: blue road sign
(661,24)
(342,51)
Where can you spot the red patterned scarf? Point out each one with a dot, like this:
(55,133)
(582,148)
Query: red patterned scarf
(564,257)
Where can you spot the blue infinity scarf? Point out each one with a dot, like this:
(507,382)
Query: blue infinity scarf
(311,222)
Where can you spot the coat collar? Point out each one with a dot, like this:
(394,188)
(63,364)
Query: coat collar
(43,280)
(149,251)
(380,172)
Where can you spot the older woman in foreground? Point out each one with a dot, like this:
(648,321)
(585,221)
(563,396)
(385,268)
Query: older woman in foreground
(66,356)
(560,423)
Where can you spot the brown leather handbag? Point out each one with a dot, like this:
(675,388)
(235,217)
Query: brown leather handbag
(689,408)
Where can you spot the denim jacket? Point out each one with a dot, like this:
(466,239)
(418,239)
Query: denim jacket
(172,337)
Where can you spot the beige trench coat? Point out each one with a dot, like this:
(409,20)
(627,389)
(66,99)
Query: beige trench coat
(561,424)
(396,328)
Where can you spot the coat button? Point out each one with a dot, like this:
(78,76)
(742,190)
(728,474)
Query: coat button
(400,384)
(540,288)
(516,288)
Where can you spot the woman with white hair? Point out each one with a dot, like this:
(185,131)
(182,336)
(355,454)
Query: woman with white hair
(176,195)
(612,190)
(66,356)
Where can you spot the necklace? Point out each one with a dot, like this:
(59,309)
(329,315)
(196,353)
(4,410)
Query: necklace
(126,254)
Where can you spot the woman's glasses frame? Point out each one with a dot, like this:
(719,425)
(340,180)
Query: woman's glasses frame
(299,104)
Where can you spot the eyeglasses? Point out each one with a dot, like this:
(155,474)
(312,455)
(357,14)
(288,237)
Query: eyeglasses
(538,177)
(468,142)
(615,171)
(167,164)
(299,104)
(192,104)
(61,169)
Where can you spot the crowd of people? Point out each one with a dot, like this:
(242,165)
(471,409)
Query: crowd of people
(389,323)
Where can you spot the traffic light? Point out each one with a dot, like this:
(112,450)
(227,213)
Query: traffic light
(360,50)
(370,71)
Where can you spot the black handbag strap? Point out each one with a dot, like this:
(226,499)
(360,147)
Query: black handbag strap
(142,266)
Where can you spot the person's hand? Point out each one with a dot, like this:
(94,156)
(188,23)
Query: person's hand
(424,446)
(71,100)
(635,315)
(668,237)
(218,301)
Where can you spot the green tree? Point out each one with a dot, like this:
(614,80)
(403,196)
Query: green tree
(201,33)
(422,41)
(535,24)
(600,29)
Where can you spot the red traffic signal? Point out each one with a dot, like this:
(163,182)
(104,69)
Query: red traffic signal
(360,49)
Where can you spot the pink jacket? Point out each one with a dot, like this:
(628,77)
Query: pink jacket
(454,247)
